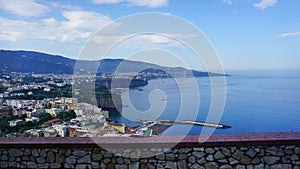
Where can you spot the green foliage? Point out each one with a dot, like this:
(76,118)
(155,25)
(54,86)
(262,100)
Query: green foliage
(4,122)
(29,123)
(66,115)
(39,94)
(23,116)
(2,89)
(45,117)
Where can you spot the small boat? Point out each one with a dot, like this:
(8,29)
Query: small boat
(163,98)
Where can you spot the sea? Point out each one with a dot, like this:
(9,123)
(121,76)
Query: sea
(256,102)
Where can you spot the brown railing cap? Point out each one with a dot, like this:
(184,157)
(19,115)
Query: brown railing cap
(255,139)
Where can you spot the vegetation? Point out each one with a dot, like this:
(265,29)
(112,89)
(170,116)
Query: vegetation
(4,122)
(5,128)
(45,117)
(40,94)
(66,115)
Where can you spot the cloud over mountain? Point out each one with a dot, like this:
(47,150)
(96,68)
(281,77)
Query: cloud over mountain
(265,4)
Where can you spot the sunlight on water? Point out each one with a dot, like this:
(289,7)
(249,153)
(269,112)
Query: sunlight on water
(256,102)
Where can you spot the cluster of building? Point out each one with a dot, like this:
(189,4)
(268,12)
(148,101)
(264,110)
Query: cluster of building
(90,120)
(16,83)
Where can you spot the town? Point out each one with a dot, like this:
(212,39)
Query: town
(42,105)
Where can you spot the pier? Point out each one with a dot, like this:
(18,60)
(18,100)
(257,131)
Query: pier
(171,122)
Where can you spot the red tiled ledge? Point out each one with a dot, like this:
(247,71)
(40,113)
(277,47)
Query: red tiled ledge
(284,138)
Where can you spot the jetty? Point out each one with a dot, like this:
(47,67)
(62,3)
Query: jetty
(198,123)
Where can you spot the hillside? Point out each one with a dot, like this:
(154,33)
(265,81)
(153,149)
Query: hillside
(36,62)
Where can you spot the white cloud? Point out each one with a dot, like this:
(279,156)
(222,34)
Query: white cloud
(82,24)
(26,8)
(265,3)
(84,20)
(107,1)
(64,6)
(78,25)
(229,2)
(289,34)
(148,3)
(145,3)
(142,41)
(10,29)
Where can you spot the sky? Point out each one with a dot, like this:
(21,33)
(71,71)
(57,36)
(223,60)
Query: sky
(246,34)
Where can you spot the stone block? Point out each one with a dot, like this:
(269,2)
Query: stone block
(27,152)
(71,160)
(31,164)
(211,165)
(170,157)
(209,150)
(35,153)
(197,166)
(256,160)
(96,156)
(259,166)
(294,157)
(226,151)
(55,165)
(251,153)
(85,159)
(245,160)
(171,165)
(69,166)
(210,157)
(182,164)
(198,154)
(226,166)
(40,160)
(43,165)
(238,154)
(192,159)
(50,158)
(240,167)
(201,160)
(271,159)
(60,158)
(219,155)
(276,151)
(15,152)
(81,166)
(276,166)
(80,153)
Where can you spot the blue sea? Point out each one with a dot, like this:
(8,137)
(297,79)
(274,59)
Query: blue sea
(256,102)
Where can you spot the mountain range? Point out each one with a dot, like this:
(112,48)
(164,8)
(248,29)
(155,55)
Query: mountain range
(36,62)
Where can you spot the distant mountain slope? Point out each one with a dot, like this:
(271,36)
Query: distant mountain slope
(36,62)
(28,61)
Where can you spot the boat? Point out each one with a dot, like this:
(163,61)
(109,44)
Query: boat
(163,98)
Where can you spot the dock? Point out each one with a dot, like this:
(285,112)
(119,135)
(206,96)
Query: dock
(171,122)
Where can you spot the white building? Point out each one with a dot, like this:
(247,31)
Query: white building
(18,122)
(32,119)
(60,129)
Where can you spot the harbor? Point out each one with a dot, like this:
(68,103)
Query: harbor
(159,126)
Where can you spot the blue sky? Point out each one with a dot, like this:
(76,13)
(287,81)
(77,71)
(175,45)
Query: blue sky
(247,34)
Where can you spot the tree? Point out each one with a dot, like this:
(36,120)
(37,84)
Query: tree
(67,115)
(23,116)
(49,105)
(29,123)
(45,117)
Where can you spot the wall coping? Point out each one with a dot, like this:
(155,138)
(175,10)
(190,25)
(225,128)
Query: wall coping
(255,139)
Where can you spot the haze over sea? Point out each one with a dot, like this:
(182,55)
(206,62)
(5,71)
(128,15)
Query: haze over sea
(257,101)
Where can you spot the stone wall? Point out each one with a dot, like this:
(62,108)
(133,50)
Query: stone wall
(236,151)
